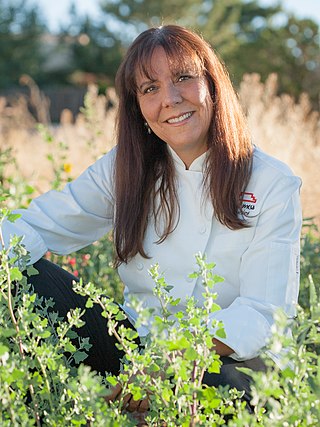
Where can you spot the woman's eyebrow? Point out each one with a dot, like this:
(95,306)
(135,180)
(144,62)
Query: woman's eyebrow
(146,83)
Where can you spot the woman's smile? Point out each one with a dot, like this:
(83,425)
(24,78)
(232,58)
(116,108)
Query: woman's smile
(180,119)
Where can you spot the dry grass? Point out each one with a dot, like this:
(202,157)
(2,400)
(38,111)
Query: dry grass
(84,140)
(287,130)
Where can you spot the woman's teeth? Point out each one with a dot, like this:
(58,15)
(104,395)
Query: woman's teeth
(180,118)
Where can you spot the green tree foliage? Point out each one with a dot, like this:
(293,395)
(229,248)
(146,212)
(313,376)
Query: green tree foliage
(248,36)
(95,52)
(20,31)
(291,50)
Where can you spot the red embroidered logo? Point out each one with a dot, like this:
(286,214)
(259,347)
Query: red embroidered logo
(248,197)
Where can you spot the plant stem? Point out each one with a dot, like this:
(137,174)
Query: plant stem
(16,325)
(194,394)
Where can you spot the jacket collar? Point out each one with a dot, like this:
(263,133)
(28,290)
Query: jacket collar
(196,165)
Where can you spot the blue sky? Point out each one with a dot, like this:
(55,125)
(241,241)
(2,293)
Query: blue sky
(56,11)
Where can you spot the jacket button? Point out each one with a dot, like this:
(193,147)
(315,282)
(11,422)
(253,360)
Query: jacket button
(139,266)
(202,229)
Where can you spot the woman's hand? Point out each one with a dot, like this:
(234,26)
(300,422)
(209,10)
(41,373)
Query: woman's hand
(129,404)
(221,348)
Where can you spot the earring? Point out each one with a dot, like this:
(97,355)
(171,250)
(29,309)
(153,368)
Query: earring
(147,127)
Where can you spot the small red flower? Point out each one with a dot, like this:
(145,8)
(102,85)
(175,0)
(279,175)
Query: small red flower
(75,273)
(72,261)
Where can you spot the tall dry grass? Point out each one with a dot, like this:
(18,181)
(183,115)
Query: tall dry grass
(288,130)
(80,140)
(284,128)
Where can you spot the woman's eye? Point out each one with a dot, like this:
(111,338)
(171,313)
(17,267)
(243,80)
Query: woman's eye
(184,77)
(149,89)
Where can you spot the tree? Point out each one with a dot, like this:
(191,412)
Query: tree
(290,50)
(20,44)
(96,51)
(245,34)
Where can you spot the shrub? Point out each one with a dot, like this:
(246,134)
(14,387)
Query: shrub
(41,386)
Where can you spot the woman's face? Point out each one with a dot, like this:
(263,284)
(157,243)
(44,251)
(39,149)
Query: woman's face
(177,106)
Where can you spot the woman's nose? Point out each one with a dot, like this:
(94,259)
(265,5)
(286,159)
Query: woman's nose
(171,95)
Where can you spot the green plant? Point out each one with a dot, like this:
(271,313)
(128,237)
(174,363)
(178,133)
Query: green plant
(18,191)
(39,383)
(57,158)
(310,262)
(289,396)
(169,367)
(42,386)
(94,264)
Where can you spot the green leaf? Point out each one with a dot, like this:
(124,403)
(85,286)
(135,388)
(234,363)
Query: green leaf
(13,217)
(130,334)
(17,374)
(214,368)
(112,381)
(3,350)
(179,344)
(211,396)
(166,394)
(70,347)
(287,373)
(80,356)
(120,316)
(179,315)
(7,332)
(218,279)
(136,392)
(71,334)
(45,334)
(210,265)
(154,367)
(89,303)
(31,271)
(29,189)
(32,297)
(221,333)
(15,273)
(191,354)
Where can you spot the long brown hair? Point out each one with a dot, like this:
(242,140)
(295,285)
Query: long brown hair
(144,168)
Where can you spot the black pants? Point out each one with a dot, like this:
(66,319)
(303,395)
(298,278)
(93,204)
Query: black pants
(53,281)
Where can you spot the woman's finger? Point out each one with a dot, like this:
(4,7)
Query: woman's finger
(132,405)
(144,405)
(114,393)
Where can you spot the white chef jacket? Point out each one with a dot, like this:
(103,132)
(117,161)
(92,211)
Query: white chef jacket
(260,264)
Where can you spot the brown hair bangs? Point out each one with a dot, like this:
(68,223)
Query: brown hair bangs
(181,53)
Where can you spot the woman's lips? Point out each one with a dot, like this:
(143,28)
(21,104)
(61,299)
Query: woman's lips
(180,118)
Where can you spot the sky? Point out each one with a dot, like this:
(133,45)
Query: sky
(56,12)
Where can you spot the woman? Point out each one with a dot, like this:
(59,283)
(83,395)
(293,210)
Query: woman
(183,178)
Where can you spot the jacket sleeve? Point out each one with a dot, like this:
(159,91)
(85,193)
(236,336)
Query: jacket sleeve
(269,272)
(65,221)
